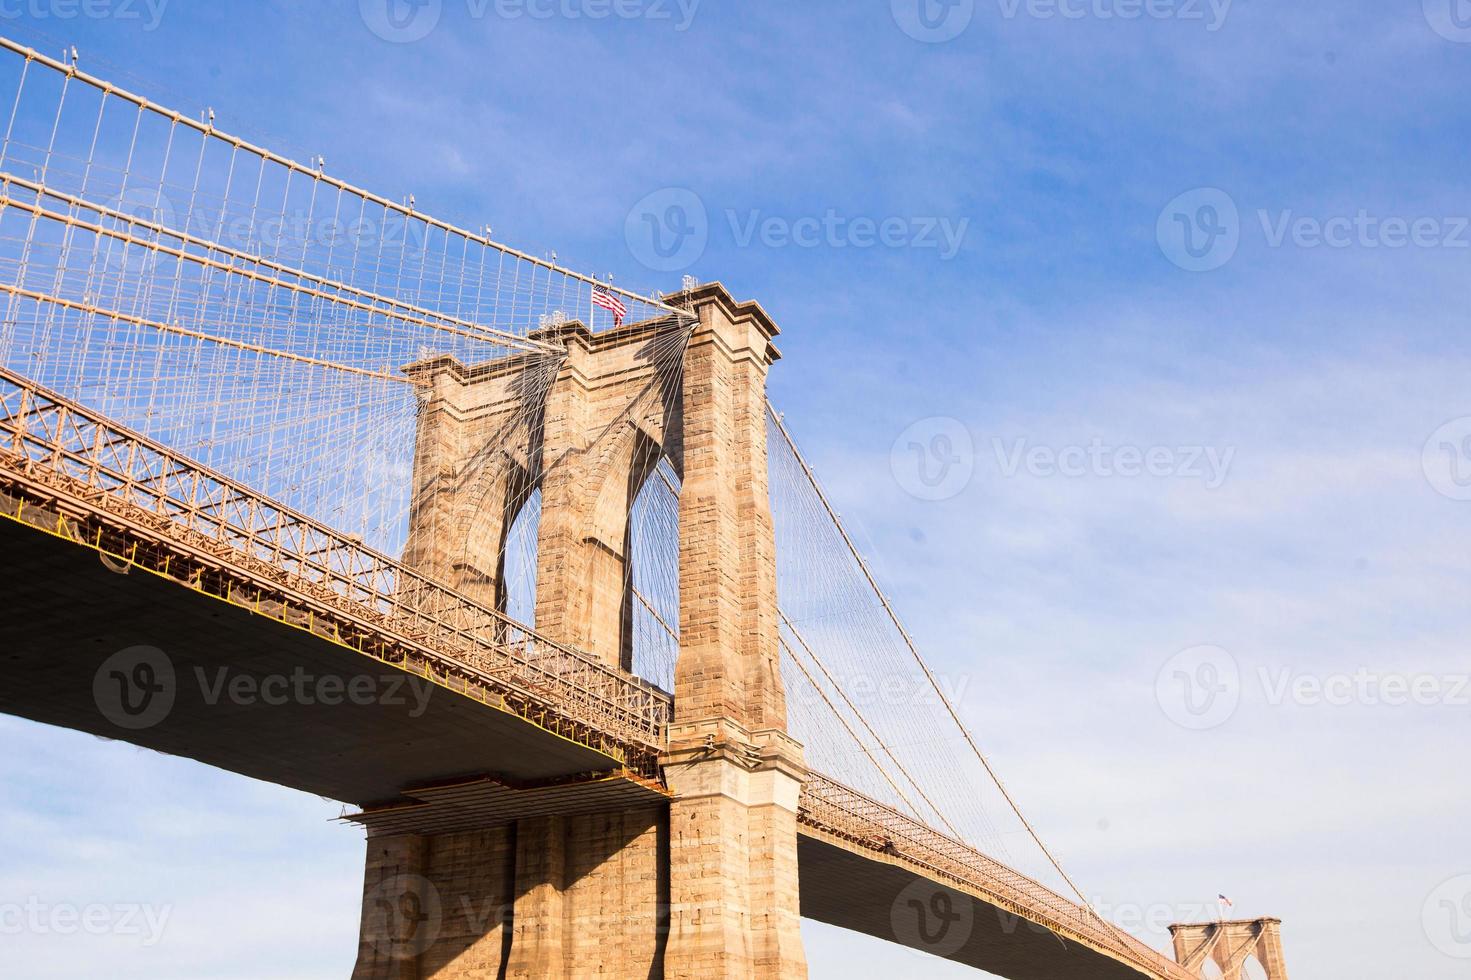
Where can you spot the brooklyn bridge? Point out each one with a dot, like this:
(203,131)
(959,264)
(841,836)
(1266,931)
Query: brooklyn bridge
(307,485)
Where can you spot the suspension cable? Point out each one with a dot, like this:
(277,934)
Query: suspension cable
(859,715)
(848,728)
(929,675)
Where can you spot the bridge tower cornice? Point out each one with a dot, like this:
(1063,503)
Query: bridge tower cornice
(1230,944)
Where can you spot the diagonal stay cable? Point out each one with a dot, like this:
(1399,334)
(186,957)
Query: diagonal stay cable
(649,606)
(929,675)
(849,728)
(864,721)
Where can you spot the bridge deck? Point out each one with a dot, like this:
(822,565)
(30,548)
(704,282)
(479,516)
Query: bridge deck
(857,858)
(398,729)
(859,890)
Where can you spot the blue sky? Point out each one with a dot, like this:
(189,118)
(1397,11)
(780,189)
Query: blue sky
(1068,157)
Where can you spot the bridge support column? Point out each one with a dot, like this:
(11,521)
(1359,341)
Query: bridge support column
(735,774)
(1230,944)
(538,941)
(734,908)
(574,897)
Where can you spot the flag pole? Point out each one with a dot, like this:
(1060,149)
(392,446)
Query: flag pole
(1221,903)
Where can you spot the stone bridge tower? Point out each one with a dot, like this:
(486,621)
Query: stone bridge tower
(1229,945)
(705,887)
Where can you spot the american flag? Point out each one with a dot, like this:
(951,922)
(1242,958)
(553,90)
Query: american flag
(601,297)
(1224,902)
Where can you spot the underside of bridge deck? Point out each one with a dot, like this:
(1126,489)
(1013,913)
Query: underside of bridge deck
(858,889)
(251,694)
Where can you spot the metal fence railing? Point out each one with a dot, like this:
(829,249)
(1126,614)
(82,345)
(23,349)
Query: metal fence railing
(49,440)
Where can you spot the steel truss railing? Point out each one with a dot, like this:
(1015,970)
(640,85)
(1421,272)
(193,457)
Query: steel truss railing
(835,809)
(69,452)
